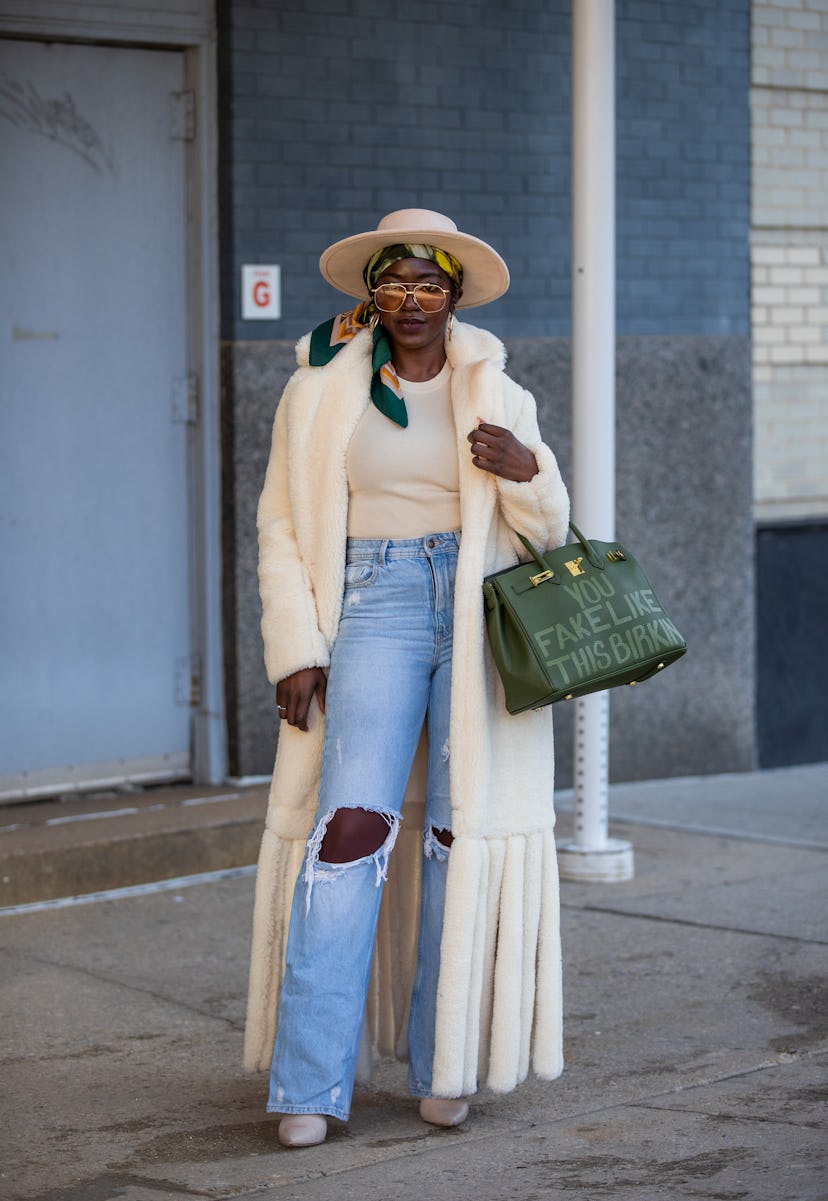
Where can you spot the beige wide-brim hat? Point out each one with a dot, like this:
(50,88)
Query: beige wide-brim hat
(485,275)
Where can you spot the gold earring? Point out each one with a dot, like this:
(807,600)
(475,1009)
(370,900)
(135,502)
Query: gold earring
(450,324)
(374,322)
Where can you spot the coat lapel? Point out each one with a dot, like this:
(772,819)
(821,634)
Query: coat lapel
(475,357)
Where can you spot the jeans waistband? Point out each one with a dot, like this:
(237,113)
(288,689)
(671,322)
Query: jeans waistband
(402,548)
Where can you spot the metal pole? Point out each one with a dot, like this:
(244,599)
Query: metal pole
(591,855)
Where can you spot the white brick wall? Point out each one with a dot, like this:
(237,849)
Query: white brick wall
(790,303)
(791,440)
(790,156)
(789,254)
(790,38)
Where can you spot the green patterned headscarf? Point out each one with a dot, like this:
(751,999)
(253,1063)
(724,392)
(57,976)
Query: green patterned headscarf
(388,255)
(329,338)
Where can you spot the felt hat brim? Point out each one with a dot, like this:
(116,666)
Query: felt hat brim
(485,275)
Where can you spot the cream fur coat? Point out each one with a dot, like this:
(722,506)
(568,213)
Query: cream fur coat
(499,995)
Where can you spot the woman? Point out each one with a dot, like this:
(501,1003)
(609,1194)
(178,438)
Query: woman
(403,461)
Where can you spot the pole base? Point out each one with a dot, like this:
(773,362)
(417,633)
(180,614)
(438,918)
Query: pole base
(608,864)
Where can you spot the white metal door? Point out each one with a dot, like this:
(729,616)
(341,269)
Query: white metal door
(94,608)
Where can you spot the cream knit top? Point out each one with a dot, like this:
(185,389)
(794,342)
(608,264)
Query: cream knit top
(404,483)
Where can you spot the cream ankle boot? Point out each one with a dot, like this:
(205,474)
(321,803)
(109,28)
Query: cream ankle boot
(302,1129)
(444,1111)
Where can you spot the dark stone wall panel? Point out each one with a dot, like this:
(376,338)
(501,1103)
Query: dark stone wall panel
(683,506)
(253,376)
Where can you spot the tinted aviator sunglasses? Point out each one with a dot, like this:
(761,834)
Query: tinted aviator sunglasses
(429,298)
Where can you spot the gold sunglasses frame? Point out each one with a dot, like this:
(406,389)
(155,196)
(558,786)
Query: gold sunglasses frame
(411,290)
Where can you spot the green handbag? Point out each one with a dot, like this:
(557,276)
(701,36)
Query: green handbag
(569,623)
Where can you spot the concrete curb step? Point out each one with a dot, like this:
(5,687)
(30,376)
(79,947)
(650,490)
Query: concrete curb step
(86,844)
(59,848)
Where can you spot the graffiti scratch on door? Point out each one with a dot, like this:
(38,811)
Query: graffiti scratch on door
(56,119)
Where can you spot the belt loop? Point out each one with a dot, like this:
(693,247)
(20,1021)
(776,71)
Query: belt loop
(382,550)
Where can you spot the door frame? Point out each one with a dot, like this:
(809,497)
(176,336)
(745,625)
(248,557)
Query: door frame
(194,34)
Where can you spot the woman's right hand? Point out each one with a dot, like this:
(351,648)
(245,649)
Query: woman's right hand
(294,695)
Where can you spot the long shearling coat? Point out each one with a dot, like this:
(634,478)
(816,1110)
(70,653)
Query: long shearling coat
(499,995)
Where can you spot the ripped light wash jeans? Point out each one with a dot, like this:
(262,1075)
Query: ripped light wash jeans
(390,670)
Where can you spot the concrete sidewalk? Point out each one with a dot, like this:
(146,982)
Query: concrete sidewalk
(696,1035)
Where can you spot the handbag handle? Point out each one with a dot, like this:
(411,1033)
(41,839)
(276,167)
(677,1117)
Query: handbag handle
(588,548)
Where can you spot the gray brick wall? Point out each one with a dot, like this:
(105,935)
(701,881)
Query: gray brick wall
(333,112)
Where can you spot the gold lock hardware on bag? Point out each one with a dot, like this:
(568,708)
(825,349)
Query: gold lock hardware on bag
(540,578)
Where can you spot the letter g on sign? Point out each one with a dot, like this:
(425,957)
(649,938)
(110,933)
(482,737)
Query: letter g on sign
(261,293)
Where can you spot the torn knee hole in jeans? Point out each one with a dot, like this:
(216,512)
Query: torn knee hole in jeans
(317,869)
(433,845)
